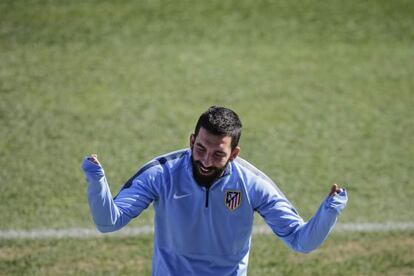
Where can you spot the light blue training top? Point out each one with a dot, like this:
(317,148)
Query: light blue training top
(205,231)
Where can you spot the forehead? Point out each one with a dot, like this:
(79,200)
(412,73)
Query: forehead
(213,141)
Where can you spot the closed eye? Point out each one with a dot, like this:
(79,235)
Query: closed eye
(200,147)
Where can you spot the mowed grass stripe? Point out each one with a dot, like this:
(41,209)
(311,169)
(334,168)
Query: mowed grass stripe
(380,253)
(83,233)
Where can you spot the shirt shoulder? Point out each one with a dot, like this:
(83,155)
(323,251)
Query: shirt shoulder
(160,165)
(173,159)
(256,179)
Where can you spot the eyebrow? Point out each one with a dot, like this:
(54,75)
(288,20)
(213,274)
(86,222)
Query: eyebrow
(217,151)
(200,145)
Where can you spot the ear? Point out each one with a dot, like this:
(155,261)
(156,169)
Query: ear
(234,153)
(192,140)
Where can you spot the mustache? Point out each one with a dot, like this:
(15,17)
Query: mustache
(198,163)
(201,178)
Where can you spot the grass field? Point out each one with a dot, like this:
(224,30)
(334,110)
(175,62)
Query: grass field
(359,254)
(324,89)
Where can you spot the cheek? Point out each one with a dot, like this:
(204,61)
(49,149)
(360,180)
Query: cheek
(221,163)
(196,155)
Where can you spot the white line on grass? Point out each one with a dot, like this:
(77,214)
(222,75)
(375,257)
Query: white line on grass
(83,233)
(356,227)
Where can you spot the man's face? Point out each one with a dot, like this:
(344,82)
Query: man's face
(211,154)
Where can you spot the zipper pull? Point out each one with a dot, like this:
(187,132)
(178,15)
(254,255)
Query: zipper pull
(207,193)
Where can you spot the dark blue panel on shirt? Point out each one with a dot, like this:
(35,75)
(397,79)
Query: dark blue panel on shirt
(158,161)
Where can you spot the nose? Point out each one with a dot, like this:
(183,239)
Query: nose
(206,161)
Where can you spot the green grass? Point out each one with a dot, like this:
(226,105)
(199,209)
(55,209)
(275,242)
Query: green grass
(343,254)
(325,92)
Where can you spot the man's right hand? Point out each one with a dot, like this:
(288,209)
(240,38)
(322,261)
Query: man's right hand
(94,159)
(92,167)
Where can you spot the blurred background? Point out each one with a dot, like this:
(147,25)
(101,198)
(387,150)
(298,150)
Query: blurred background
(324,90)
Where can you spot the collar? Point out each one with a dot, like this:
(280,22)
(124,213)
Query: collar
(227,170)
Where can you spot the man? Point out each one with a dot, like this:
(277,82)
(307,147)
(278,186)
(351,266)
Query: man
(204,200)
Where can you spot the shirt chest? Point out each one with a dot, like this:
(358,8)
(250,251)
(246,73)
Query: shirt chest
(226,200)
(215,220)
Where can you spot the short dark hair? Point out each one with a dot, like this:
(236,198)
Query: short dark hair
(221,121)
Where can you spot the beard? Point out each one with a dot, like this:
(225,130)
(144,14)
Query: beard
(205,176)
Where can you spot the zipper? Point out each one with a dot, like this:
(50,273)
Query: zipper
(207,192)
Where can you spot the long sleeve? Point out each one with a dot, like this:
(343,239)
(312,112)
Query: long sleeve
(286,223)
(112,214)
(310,235)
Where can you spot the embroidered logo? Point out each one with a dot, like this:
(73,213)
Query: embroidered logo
(232,199)
(180,196)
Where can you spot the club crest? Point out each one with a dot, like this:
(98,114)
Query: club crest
(232,199)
